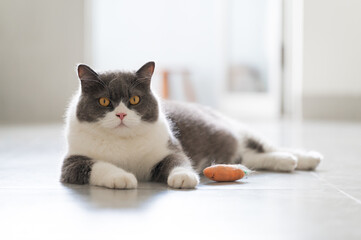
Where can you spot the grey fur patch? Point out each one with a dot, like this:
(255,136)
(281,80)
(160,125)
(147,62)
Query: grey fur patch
(76,169)
(118,87)
(161,170)
(202,135)
(174,145)
(254,145)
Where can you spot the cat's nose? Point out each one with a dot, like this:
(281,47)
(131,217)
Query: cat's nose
(121,115)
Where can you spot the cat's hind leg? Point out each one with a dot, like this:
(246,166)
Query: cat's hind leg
(274,161)
(258,154)
(307,160)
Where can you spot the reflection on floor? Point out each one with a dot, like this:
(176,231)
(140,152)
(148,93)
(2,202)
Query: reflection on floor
(302,205)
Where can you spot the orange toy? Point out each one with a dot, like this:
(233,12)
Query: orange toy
(225,172)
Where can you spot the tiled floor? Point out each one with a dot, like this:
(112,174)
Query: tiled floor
(325,204)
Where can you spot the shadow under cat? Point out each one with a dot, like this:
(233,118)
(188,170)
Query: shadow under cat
(99,197)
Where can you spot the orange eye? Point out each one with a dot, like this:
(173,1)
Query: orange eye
(104,101)
(134,100)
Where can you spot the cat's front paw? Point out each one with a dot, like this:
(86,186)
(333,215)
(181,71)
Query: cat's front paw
(121,181)
(183,178)
(104,174)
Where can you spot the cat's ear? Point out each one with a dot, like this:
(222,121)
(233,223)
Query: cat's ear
(89,79)
(86,73)
(146,71)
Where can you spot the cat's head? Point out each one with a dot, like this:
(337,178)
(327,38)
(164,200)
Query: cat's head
(119,102)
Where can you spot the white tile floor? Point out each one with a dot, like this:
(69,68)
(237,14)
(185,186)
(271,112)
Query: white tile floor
(303,205)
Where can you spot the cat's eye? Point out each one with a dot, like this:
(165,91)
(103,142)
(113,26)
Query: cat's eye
(104,101)
(134,100)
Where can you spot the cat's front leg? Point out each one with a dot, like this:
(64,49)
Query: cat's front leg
(176,171)
(78,169)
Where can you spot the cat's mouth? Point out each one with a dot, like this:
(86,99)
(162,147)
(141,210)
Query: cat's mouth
(121,125)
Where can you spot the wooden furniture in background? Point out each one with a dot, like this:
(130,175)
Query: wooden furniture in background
(188,89)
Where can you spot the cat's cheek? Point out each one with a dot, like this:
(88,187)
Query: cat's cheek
(132,119)
(110,120)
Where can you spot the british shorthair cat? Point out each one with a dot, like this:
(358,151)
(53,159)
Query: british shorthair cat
(119,132)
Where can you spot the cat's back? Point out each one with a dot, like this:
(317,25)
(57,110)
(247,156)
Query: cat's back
(192,115)
(203,132)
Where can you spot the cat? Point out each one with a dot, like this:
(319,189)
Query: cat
(119,132)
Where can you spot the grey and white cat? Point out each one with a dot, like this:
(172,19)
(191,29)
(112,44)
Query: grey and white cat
(119,133)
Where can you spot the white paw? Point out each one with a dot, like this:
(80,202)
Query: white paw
(183,178)
(107,175)
(284,162)
(121,181)
(309,160)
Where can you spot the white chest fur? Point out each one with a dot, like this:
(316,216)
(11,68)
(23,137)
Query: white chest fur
(136,154)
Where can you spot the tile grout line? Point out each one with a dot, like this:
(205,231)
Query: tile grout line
(338,189)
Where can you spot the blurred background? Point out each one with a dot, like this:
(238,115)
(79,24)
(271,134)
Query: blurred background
(262,60)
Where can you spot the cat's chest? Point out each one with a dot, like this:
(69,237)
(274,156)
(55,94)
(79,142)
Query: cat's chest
(137,155)
(127,152)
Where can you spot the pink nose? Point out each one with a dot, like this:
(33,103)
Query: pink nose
(121,115)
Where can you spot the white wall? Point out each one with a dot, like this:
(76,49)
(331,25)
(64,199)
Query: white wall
(41,42)
(332,59)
